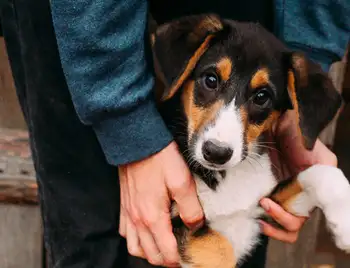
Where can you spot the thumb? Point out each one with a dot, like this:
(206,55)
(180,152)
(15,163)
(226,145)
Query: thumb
(188,205)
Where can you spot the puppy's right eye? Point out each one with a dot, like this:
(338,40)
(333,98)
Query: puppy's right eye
(211,81)
(262,98)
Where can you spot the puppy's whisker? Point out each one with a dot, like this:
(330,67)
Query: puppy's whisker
(267,142)
(252,154)
(267,147)
(251,164)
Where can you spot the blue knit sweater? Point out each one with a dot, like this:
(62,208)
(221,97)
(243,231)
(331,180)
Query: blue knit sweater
(106,61)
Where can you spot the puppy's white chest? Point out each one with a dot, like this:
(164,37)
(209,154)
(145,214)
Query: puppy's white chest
(241,229)
(240,190)
(232,208)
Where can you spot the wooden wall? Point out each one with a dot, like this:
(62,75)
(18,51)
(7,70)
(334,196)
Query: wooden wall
(10,113)
(20,225)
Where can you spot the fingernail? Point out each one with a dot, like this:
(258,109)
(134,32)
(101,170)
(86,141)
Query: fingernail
(265,204)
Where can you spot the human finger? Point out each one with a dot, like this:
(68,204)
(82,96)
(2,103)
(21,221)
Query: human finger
(159,225)
(278,234)
(286,220)
(132,240)
(189,208)
(149,247)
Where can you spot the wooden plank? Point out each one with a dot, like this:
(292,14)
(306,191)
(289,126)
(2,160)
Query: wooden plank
(325,260)
(18,191)
(296,255)
(20,220)
(17,175)
(10,113)
(21,237)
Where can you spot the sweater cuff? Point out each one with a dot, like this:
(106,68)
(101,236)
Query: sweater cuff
(133,136)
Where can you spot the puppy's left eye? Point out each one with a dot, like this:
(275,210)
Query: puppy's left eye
(211,81)
(262,98)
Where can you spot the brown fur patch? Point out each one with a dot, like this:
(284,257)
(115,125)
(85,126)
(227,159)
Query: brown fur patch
(260,78)
(286,195)
(224,68)
(209,24)
(292,92)
(197,116)
(190,66)
(153,39)
(210,250)
(254,130)
(244,116)
(300,65)
(293,97)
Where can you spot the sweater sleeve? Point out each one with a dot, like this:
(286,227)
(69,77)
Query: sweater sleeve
(320,28)
(105,57)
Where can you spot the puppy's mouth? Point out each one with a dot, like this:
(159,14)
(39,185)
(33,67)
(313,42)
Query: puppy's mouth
(211,166)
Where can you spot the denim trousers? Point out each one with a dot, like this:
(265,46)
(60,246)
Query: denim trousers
(79,191)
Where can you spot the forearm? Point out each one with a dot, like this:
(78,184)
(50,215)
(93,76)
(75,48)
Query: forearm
(105,58)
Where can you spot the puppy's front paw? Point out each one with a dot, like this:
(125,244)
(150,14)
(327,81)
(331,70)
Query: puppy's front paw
(326,185)
(343,242)
(338,222)
(330,191)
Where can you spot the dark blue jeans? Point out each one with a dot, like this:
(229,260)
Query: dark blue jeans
(79,191)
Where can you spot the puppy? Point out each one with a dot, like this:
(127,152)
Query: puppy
(225,84)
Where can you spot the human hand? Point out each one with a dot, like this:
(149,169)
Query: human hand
(294,158)
(147,188)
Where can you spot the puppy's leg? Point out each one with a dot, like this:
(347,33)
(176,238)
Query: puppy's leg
(204,248)
(209,249)
(324,187)
(290,195)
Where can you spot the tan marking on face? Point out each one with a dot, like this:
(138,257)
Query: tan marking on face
(293,97)
(260,78)
(300,65)
(254,130)
(198,117)
(209,24)
(210,250)
(286,196)
(244,116)
(224,68)
(153,39)
(190,66)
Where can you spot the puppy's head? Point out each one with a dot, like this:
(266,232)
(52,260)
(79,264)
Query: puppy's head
(226,83)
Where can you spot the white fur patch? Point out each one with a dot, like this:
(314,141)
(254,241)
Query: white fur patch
(232,208)
(330,190)
(301,205)
(228,129)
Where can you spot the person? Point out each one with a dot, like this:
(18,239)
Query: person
(85,82)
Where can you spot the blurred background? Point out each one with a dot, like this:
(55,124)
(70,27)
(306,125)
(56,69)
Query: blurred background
(21,241)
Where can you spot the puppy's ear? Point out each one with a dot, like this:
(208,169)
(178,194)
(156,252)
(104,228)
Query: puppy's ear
(312,95)
(178,46)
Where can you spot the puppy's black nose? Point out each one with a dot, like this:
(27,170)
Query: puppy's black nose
(216,152)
